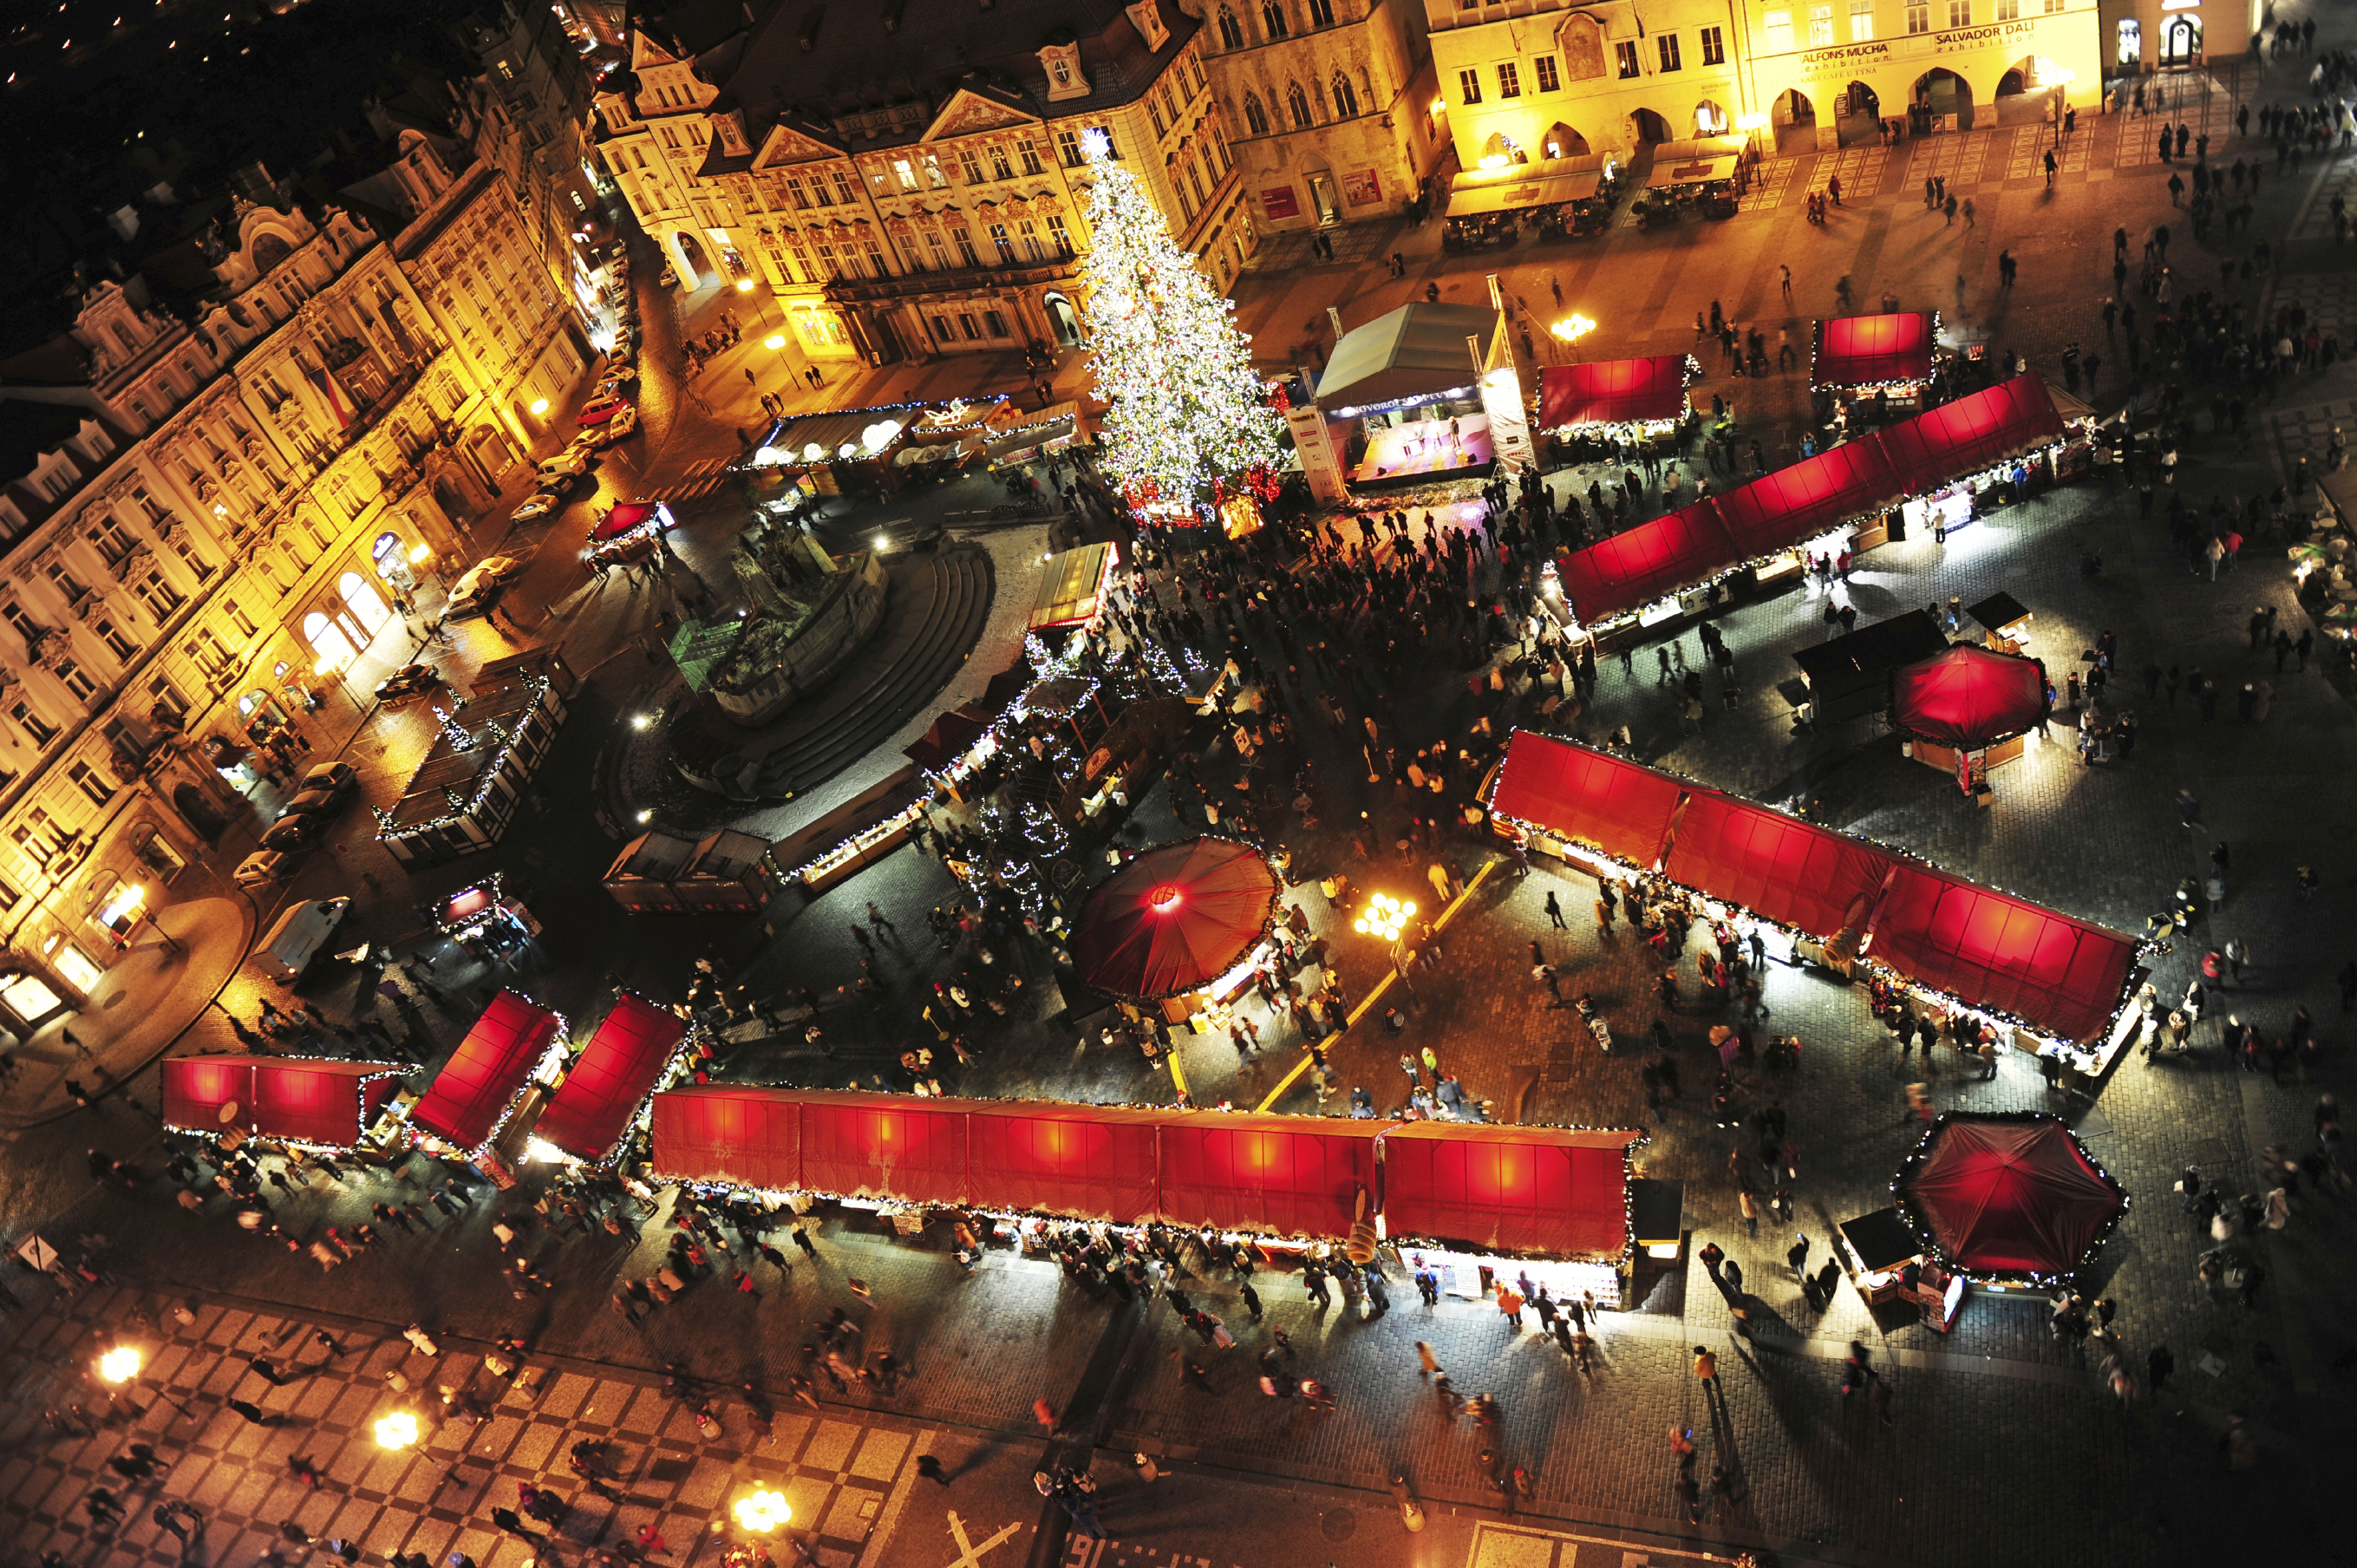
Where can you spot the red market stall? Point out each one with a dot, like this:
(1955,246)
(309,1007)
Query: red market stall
(1289,1175)
(629,531)
(892,1148)
(749,1137)
(1175,918)
(472,1094)
(2063,977)
(1084,1162)
(207,1094)
(1858,352)
(1779,867)
(1649,392)
(1509,1189)
(1588,798)
(1955,440)
(1965,711)
(328,1103)
(1816,496)
(2008,1197)
(611,1077)
(1631,570)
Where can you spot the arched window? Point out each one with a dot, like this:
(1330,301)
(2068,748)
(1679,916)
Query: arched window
(1321,13)
(1346,100)
(1272,16)
(1298,103)
(1232,32)
(1255,117)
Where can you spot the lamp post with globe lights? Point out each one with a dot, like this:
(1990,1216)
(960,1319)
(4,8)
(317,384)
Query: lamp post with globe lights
(120,1366)
(397,1432)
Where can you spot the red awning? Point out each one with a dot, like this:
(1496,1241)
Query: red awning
(947,738)
(1174,918)
(1815,495)
(1291,1175)
(1968,697)
(471,1094)
(1958,439)
(2009,1196)
(1612,392)
(319,1102)
(1589,796)
(621,519)
(1631,570)
(1779,866)
(1091,1162)
(884,1146)
(1868,350)
(618,1068)
(1517,1189)
(748,1137)
(2064,976)
(196,1089)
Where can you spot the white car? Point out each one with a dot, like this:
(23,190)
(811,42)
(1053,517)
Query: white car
(264,867)
(480,589)
(625,421)
(535,506)
(571,463)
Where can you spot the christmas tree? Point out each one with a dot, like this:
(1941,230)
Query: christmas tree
(1188,423)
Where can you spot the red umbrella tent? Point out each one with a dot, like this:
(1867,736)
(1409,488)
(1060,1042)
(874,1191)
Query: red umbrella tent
(1968,697)
(2012,1196)
(1174,918)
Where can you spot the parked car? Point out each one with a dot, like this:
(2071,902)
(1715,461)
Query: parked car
(311,802)
(408,681)
(537,505)
(668,277)
(572,463)
(625,423)
(475,593)
(297,830)
(599,410)
(264,867)
(559,486)
(336,775)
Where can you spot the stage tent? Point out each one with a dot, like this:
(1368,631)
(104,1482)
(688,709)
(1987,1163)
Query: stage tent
(1613,392)
(1631,570)
(471,1094)
(1813,496)
(1590,797)
(1084,1162)
(314,1101)
(1968,697)
(1780,867)
(617,1070)
(1962,438)
(1285,1174)
(1514,1189)
(2064,976)
(1874,351)
(751,1137)
(2009,1196)
(889,1147)
(198,1088)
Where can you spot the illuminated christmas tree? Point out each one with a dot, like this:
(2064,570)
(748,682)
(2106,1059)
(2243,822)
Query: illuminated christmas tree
(1188,423)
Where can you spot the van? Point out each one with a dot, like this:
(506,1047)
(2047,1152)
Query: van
(298,938)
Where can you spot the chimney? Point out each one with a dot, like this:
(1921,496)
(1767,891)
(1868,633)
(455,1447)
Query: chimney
(125,221)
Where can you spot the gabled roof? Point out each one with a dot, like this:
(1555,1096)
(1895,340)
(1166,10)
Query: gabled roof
(1416,349)
(979,106)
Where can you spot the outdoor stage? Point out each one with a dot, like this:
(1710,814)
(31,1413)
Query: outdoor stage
(1426,447)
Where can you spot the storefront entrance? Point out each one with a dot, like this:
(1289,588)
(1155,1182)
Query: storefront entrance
(2180,41)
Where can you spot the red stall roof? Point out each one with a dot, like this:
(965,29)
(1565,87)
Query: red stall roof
(884,1145)
(1174,918)
(617,1068)
(620,519)
(1612,392)
(197,1088)
(1815,495)
(1969,696)
(1865,350)
(2009,1195)
(1589,796)
(2063,975)
(471,1094)
(1091,1162)
(1963,437)
(1521,1189)
(1631,570)
(1292,1174)
(319,1102)
(1786,870)
(749,1136)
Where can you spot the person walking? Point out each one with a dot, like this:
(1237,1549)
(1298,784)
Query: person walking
(1706,1367)
(1554,913)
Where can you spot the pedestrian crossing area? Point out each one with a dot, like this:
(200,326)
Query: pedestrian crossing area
(701,478)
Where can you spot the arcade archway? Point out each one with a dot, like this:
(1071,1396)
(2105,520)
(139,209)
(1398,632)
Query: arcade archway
(1793,120)
(1649,128)
(1858,114)
(1942,101)
(1562,142)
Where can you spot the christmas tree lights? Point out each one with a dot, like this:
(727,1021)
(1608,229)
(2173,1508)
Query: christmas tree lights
(1187,420)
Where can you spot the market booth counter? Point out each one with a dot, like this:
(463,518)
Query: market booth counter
(1023,434)
(629,531)
(1968,710)
(2003,623)
(2011,1200)
(1885,360)
(1481,1202)
(640,877)
(606,1088)
(1180,925)
(1625,399)
(1897,1274)
(1554,196)
(1074,589)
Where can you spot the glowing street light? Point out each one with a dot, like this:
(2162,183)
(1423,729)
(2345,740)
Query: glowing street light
(763,1512)
(1572,328)
(1383,916)
(539,407)
(774,341)
(396,1432)
(119,1365)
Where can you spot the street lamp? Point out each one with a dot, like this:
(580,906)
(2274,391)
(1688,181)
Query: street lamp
(123,913)
(763,1512)
(397,1432)
(120,1366)
(1383,916)
(1572,328)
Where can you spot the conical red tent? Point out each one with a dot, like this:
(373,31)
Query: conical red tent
(1968,697)
(2012,1196)
(1174,918)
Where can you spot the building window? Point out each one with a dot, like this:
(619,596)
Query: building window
(797,195)
(876,266)
(34,838)
(1255,117)
(1821,26)
(1111,147)
(238,618)
(1960,12)
(1919,19)
(1296,103)
(1272,18)
(1776,32)
(32,724)
(1510,81)
(844,191)
(1714,47)
(1545,69)
(943,331)
(1625,60)
(972,328)
(994,323)
(964,243)
(111,635)
(1068,147)
(1861,21)
(2009,10)
(1059,235)
(1321,13)
(66,585)
(905,173)
(2053,7)
(8,895)
(1346,98)
(160,597)
(1027,153)
(1002,244)
(970,166)
(1468,83)
(1232,32)
(1668,45)
(91,783)
(941,250)
(75,680)
(999,167)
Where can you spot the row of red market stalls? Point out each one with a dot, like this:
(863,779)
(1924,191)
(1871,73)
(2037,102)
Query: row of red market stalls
(318,1104)
(1452,1190)
(1928,468)
(1841,900)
